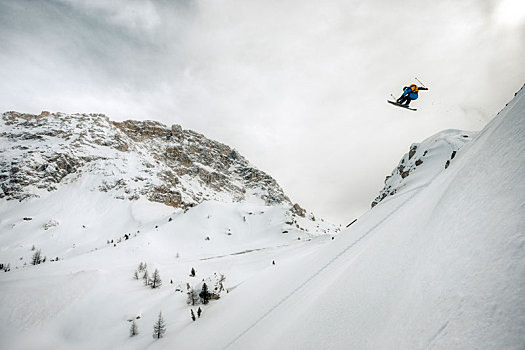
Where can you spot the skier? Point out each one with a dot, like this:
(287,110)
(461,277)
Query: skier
(409,94)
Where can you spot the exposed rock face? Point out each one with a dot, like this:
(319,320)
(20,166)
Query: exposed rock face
(427,158)
(296,209)
(130,159)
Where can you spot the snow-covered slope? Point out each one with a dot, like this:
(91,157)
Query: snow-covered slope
(439,267)
(96,198)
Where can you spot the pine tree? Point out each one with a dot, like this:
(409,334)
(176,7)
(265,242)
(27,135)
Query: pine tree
(155,280)
(199,311)
(192,273)
(192,315)
(36,259)
(145,278)
(204,294)
(159,328)
(133,330)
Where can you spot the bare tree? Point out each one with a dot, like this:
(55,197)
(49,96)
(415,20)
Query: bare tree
(155,280)
(133,330)
(36,259)
(145,278)
(159,328)
(193,297)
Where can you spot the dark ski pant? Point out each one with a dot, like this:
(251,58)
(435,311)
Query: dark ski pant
(404,100)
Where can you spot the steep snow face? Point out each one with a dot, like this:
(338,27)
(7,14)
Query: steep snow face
(441,266)
(424,161)
(132,159)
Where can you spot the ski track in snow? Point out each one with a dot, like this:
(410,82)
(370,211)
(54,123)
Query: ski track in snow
(330,262)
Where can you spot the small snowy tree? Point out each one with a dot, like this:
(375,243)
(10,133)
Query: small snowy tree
(155,280)
(192,272)
(136,275)
(36,259)
(204,294)
(159,328)
(199,311)
(192,315)
(133,330)
(145,278)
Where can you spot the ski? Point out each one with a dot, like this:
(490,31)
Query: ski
(400,105)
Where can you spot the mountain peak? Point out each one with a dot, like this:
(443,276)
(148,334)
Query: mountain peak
(130,159)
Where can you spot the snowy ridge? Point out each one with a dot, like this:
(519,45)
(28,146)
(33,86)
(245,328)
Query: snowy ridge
(425,160)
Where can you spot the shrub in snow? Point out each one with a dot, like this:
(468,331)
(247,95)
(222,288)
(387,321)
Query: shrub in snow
(193,296)
(159,328)
(50,224)
(192,315)
(133,329)
(199,311)
(192,272)
(155,281)
(136,275)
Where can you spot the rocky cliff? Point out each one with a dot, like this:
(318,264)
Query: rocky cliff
(130,159)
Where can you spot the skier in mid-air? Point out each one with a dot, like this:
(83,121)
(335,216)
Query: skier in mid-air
(409,94)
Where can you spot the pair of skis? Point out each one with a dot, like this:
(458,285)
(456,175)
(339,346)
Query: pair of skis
(400,105)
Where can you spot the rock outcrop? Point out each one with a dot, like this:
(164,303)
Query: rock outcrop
(427,159)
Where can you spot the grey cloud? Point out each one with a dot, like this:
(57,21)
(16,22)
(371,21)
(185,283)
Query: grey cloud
(298,87)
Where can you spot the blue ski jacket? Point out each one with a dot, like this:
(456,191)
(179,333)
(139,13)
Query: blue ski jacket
(412,95)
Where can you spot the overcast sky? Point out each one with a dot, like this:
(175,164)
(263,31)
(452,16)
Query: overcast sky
(299,87)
